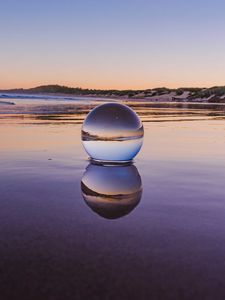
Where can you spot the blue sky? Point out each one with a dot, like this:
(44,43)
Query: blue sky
(112,44)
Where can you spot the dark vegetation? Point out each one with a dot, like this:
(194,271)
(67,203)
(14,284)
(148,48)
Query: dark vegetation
(215,93)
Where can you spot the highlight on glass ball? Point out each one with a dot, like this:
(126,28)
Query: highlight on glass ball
(111,191)
(112,132)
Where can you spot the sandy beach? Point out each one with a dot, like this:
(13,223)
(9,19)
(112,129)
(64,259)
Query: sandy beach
(53,235)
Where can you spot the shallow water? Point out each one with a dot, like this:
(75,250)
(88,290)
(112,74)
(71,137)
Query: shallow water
(165,239)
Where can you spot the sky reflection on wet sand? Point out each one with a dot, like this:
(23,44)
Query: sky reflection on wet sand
(171,244)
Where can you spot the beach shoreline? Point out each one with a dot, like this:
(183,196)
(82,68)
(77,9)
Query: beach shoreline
(158,99)
(6,103)
(214,94)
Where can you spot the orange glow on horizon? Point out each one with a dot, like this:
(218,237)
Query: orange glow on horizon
(107,86)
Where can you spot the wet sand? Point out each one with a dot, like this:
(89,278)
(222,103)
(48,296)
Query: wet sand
(170,245)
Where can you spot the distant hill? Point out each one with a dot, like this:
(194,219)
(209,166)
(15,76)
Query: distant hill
(213,94)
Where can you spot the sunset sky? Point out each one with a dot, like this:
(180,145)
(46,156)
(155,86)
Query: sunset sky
(122,44)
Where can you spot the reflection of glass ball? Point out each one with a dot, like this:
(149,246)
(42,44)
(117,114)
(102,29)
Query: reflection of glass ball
(111,191)
(112,132)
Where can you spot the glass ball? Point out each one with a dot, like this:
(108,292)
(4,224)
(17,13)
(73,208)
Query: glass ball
(112,132)
(111,191)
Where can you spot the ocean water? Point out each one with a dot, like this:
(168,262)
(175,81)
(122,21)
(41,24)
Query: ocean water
(73,230)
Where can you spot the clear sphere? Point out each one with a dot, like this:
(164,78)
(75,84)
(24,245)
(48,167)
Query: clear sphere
(111,191)
(112,132)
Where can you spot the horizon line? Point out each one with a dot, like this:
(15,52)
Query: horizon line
(109,89)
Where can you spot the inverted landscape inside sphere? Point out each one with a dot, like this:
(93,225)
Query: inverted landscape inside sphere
(112,132)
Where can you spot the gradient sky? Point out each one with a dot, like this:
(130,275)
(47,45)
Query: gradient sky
(112,44)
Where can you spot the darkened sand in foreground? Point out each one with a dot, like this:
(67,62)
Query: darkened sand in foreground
(65,234)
